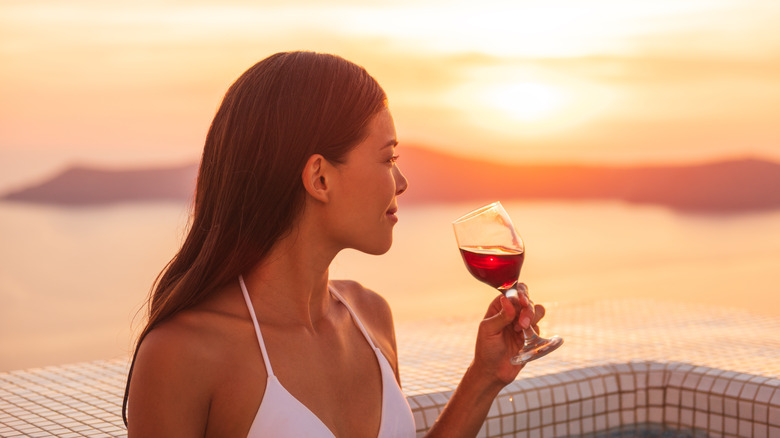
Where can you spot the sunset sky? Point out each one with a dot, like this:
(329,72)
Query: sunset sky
(127,83)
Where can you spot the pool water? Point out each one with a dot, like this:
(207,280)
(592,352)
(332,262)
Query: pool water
(648,431)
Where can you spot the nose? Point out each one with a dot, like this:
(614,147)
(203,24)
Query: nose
(400,181)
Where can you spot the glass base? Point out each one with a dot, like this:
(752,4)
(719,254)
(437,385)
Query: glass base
(537,348)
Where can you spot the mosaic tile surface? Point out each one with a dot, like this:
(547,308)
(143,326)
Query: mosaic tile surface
(622,362)
(434,354)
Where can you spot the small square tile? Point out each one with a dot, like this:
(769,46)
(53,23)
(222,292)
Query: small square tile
(545,397)
(508,424)
(587,425)
(656,379)
(730,406)
(559,395)
(627,401)
(745,429)
(613,402)
(588,407)
(676,378)
(584,389)
(600,405)
(493,427)
(686,399)
(561,413)
(655,397)
(672,397)
(716,404)
(719,387)
(600,421)
(534,419)
(745,410)
(626,382)
(760,413)
(730,425)
(774,416)
(655,415)
(547,416)
(640,416)
(574,410)
(715,422)
(611,385)
(764,394)
(691,381)
(701,400)
(700,420)
(686,417)
(613,419)
(734,388)
(749,391)
(599,388)
(775,397)
(627,417)
(532,399)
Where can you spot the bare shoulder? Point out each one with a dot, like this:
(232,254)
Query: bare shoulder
(375,314)
(174,377)
(363,299)
(177,341)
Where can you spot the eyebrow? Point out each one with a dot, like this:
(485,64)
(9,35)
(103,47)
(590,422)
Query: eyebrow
(391,143)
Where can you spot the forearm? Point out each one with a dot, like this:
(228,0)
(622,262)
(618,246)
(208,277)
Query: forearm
(467,408)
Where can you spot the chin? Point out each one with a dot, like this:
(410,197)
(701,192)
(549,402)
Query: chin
(377,249)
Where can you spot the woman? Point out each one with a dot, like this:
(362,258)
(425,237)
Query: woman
(247,336)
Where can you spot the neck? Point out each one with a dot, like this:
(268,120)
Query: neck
(290,286)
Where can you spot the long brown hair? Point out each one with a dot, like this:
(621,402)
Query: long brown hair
(277,114)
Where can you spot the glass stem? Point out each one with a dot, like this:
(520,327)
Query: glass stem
(531,337)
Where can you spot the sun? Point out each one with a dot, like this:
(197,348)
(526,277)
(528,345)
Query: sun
(522,104)
(525,101)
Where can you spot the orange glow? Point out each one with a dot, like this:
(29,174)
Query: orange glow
(526,101)
(561,80)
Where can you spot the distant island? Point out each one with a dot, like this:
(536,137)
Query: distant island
(725,186)
(82,186)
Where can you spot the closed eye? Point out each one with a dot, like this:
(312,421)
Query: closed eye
(393,159)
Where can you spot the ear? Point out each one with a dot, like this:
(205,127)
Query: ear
(315,177)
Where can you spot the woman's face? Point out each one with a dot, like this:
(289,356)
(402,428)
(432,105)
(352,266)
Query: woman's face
(366,187)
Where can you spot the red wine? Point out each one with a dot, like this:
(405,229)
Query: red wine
(495,265)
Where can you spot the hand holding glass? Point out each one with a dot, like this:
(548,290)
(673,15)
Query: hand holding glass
(494,252)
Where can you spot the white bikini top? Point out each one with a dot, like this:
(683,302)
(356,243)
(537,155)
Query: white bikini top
(282,415)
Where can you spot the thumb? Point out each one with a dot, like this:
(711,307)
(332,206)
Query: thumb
(496,323)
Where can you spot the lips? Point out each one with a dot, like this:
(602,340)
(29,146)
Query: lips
(391,214)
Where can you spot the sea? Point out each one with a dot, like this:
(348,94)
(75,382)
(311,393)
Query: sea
(73,280)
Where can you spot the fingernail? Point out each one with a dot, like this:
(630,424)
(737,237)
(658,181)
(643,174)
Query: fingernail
(525,322)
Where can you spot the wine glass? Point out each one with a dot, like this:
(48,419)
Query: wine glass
(494,252)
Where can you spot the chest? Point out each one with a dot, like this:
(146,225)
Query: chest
(334,374)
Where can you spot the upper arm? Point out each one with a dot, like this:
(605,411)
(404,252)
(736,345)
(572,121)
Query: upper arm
(169,396)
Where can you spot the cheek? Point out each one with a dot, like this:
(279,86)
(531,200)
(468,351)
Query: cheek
(377,186)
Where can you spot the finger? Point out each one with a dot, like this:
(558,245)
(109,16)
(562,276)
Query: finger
(496,323)
(522,289)
(539,312)
(494,308)
(518,302)
(526,317)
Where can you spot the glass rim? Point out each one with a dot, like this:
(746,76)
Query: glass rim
(477,212)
